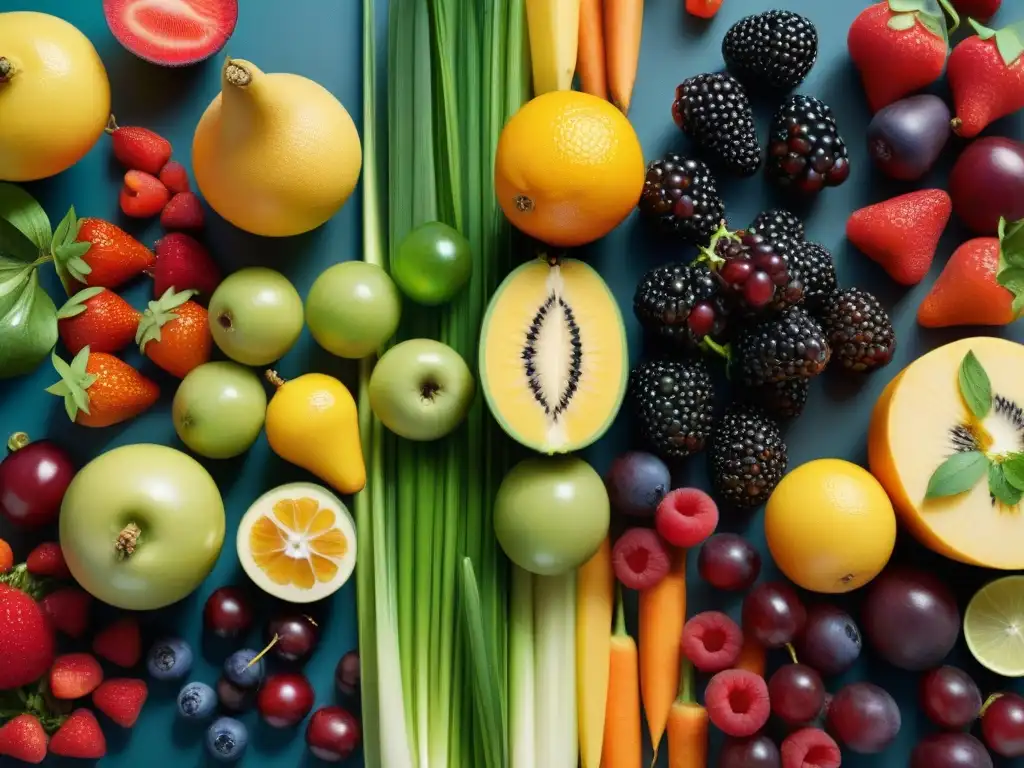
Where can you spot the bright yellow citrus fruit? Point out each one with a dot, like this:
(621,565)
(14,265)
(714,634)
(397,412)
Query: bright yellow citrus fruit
(569,168)
(297,542)
(994,626)
(830,526)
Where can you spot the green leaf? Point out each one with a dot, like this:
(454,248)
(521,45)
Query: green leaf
(957,474)
(78,269)
(28,319)
(975,387)
(902,21)
(21,209)
(1013,469)
(72,251)
(67,230)
(15,243)
(999,487)
(74,383)
(983,32)
(76,304)
(1008,43)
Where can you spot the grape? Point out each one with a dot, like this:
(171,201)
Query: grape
(950,750)
(753,752)
(797,694)
(950,698)
(864,718)
(830,641)
(1002,725)
(987,182)
(729,562)
(773,613)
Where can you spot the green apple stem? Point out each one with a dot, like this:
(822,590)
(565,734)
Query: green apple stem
(127,541)
(274,378)
(7,70)
(17,441)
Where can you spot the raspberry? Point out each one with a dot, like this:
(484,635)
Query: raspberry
(737,702)
(640,558)
(142,195)
(184,211)
(810,748)
(686,516)
(175,177)
(712,641)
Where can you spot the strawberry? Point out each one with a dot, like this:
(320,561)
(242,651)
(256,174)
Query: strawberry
(100,390)
(175,177)
(902,234)
(119,643)
(25,654)
(97,253)
(121,699)
(79,737)
(981,284)
(982,10)
(68,610)
(175,333)
(6,557)
(143,195)
(184,264)
(704,9)
(139,149)
(47,559)
(184,211)
(899,51)
(99,319)
(23,738)
(74,675)
(986,77)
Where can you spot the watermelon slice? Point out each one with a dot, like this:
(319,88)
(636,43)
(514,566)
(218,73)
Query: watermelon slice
(173,33)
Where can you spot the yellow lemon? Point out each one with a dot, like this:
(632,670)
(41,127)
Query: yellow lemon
(830,526)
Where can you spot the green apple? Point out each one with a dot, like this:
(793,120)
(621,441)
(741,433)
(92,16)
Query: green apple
(432,263)
(353,308)
(421,389)
(141,526)
(255,316)
(219,408)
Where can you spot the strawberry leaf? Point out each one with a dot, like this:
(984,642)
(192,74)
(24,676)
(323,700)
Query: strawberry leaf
(20,209)
(999,486)
(74,383)
(975,387)
(957,474)
(901,22)
(1009,40)
(28,319)
(76,304)
(158,314)
(928,12)
(67,228)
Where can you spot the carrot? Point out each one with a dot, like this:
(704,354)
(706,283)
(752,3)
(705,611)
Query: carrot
(595,603)
(687,730)
(623,22)
(590,61)
(752,657)
(622,740)
(662,615)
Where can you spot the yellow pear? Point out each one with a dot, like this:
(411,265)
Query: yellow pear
(312,423)
(275,154)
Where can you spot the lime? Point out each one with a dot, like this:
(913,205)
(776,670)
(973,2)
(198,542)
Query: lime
(994,626)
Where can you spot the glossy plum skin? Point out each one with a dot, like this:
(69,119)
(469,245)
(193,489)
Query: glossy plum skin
(333,734)
(773,614)
(636,483)
(297,636)
(729,562)
(227,612)
(864,718)
(285,699)
(347,675)
(1002,726)
(950,698)
(988,182)
(906,137)
(33,480)
(830,641)
(754,752)
(950,750)
(797,694)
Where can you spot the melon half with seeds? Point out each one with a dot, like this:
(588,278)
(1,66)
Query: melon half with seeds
(173,33)
(927,418)
(553,356)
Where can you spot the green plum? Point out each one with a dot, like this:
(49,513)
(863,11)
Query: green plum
(141,526)
(219,408)
(432,263)
(255,316)
(353,308)
(551,514)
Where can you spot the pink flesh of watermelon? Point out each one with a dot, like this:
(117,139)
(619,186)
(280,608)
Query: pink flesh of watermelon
(172,32)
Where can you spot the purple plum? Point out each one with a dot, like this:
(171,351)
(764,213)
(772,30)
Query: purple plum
(637,482)
(907,137)
(987,183)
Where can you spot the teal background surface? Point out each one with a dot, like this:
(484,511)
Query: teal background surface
(321,39)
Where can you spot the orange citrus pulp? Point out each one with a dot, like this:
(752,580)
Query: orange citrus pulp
(299,543)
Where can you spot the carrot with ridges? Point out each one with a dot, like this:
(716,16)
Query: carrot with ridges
(590,55)
(752,656)
(595,604)
(622,738)
(687,730)
(623,23)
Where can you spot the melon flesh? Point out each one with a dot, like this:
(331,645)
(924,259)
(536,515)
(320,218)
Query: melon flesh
(912,433)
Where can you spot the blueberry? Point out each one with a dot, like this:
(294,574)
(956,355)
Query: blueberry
(196,701)
(169,659)
(637,482)
(226,740)
(241,670)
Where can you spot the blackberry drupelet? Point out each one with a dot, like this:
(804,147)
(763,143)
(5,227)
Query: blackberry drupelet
(774,49)
(682,194)
(681,304)
(778,224)
(789,345)
(805,150)
(714,112)
(754,271)
(859,331)
(780,400)
(673,402)
(747,456)
(818,269)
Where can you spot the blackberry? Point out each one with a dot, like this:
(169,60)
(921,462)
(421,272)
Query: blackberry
(774,49)
(859,331)
(714,112)
(673,400)
(818,270)
(681,304)
(789,345)
(754,271)
(682,194)
(805,150)
(780,399)
(778,224)
(747,456)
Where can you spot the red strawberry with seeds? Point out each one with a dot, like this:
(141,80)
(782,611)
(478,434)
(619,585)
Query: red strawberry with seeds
(902,234)
(139,149)
(99,319)
(184,211)
(68,610)
(119,643)
(25,655)
(47,559)
(121,699)
(175,177)
(175,333)
(986,77)
(899,51)
(23,738)
(97,253)
(982,10)
(142,195)
(75,675)
(100,390)
(80,737)
(183,263)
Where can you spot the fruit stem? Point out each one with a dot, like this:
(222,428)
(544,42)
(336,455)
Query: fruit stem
(988,703)
(523,203)
(792,653)
(956,123)
(127,541)
(236,74)
(111,124)
(17,441)
(274,378)
(265,651)
(7,70)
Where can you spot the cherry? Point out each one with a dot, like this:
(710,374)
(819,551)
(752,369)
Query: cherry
(759,289)
(285,699)
(736,271)
(701,319)
(33,480)
(227,612)
(1002,724)
(296,637)
(347,674)
(333,734)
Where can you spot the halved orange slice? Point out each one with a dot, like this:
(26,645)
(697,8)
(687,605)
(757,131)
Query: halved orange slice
(297,542)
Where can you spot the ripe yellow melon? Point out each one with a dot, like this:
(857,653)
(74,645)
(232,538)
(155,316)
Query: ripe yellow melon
(921,419)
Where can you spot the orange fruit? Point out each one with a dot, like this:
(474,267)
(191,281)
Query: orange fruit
(830,526)
(569,168)
(297,542)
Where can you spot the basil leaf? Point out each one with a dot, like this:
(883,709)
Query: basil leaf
(957,474)
(975,387)
(15,243)
(20,209)
(1013,469)
(999,486)
(28,319)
